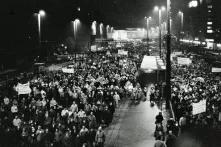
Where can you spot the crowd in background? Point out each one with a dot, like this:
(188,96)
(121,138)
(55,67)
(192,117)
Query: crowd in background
(66,109)
(192,84)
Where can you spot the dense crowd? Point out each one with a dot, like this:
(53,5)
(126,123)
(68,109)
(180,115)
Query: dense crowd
(192,84)
(66,109)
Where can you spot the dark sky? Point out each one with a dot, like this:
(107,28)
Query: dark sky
(18,24)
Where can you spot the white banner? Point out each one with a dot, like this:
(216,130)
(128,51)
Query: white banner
(93,48)
(122,52)
(199,107)
(215,69)
(23,88)
(184,61)
(108,53)
(68,70)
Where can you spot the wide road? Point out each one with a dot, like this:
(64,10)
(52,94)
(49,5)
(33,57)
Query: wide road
(133,125)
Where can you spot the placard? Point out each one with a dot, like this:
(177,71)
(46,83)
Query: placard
(216,70)
(184,61)
(199,107)
(122,52)
(23,88)
(67,70)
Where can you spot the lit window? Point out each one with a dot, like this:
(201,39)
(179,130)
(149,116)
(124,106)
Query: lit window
(209,31)
(209,23)
(209,28)
(209,11)
(210,6)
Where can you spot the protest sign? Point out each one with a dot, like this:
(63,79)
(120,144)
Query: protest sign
(23,88)
(184,61)
(216,70)
(199,107)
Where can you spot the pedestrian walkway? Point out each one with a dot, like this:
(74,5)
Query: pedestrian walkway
(133,125)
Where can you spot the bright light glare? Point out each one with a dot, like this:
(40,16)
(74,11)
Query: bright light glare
(209,31)
(163,8)
(209,23)
(94,28)
(156,8)
(193,4)
(42,12)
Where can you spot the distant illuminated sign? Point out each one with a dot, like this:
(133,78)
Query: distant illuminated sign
(209,31)
(209,23)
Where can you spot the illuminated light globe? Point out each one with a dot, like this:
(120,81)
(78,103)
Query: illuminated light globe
(42,12)
(193,4)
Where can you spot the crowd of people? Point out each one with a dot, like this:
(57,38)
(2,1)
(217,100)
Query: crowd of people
(66,109)
(191,84)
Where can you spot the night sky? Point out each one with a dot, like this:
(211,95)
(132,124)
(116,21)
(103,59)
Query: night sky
(18,25)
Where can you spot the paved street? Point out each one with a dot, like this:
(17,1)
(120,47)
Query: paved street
(133,125)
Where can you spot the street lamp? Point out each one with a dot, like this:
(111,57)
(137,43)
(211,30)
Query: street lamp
(101,29)
(76,24)
(94,28)
(181,17)
(40,14)
(156,8)
(148,25)
(107,30)
(168,54)
(181,25)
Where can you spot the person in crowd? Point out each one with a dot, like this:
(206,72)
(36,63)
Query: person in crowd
(159,118)
(100,137)
(159,142)
(182,123)
(116,99)
(170,139)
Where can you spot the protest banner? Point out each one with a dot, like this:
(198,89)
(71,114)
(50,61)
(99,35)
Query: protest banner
(68,70)
(23,88)
(216,70)
(122,52)
(199,107)
(184,61)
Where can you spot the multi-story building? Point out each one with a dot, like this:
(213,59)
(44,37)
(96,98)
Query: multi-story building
(213,20)
(204,21)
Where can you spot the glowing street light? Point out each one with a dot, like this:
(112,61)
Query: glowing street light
(101,30)
(112,29)
(94,28)
(40,14)
(156,8)
(193,4)
(76,24)
(148,25)
(182,17)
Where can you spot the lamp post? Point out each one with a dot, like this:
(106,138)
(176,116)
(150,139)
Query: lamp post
(148,25)
(107,31)
(168,62)
(94,28)
(101,30)
(160,19)
(181,19)
(40,14)
(181,25)
(76,23)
